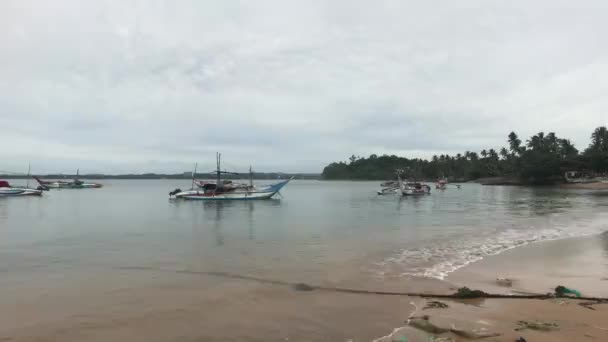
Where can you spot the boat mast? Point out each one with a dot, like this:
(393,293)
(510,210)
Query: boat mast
(218,158)
(250,177)
(29,168)
(194,174)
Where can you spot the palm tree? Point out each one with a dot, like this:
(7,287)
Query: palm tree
(567,149)
(537,142)
(599,139)
(504,153)
(492,154)
(484,153)
(514,144)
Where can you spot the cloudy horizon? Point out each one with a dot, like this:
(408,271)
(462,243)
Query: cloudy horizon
(155,86)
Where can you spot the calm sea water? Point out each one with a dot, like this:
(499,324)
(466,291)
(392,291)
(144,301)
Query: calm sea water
(316,228)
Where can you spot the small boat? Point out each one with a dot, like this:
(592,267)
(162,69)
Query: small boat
(7,190)
(61,184)
(388,191)
(211,192)
(441,184)
(577,177)
(413,188)
(226,190)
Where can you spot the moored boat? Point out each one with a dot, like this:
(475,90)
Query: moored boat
(211,192)
(227,190)
(441,184)
(412,188)
(7,190)
(61,184)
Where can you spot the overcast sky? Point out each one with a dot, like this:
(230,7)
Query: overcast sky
(137,86)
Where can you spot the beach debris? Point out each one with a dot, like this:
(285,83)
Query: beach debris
(506,282)
(423,323)
(472,335)
(441,339)
(465,292)
(521,339)
(303,287)
(435,304)
(536,325)
(561,291)
(589,305)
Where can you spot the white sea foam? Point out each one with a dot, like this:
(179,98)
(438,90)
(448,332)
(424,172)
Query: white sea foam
(438,258)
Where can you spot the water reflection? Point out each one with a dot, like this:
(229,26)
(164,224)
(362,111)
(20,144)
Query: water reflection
(225,217)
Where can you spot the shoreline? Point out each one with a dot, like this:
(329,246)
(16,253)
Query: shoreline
(537,267)
(580,263)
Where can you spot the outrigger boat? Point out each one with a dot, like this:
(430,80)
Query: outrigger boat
(226,190)
(389,188)
(7,190)
(412,188)
(60,184)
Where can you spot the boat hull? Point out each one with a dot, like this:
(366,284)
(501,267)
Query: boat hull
(19,192)
(72,186)
(411,192)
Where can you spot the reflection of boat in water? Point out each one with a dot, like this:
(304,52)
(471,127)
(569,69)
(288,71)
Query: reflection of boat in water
(61,184)
(6,190)
(226,190)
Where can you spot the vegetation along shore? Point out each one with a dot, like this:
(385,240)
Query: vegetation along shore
(542,159)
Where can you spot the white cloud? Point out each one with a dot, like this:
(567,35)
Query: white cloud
(134,86)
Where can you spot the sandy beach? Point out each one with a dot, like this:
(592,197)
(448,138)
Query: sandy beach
(199,307)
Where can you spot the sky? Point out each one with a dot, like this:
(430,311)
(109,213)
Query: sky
(156,86)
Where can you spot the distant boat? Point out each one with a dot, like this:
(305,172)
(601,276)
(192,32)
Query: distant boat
(576,177)
(6,190)
(61,184)
(226,190)
(441,184)
(412,188)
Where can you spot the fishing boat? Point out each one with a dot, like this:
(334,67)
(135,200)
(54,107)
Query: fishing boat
(388,191)
(413,188)
(441,184)
(7,190)
(577,177)
(226,190)
(61,184)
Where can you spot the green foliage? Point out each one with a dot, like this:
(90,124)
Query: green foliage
(542,159)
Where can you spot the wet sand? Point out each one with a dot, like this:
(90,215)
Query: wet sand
(164,305)
(579,263)
(195,308)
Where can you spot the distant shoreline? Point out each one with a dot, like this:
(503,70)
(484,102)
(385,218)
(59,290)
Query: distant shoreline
(257,176)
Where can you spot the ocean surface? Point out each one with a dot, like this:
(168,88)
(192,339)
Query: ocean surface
(316,230)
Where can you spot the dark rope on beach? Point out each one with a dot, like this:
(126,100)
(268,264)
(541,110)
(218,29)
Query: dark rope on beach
(462,293)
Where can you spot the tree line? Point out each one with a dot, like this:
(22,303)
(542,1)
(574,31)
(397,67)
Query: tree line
(541,159)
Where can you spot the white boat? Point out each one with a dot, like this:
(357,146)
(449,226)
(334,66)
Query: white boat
(226,190)
(576,177)
(413,188)
(213,193)
(7,190)
(61,184)
(388,191)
